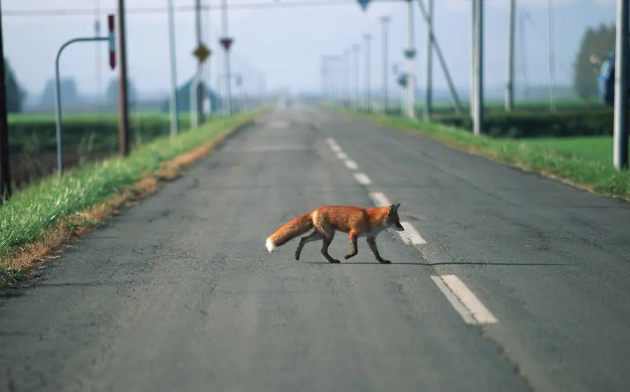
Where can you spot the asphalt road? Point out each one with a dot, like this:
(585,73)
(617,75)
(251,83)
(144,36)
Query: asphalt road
(513,282)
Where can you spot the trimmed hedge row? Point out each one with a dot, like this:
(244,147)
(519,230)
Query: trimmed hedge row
(39,134)
(522,124)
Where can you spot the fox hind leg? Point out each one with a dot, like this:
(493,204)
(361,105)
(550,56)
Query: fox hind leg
(326,243)
(353,244)
(314,236)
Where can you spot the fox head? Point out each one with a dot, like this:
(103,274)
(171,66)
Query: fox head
(392,217)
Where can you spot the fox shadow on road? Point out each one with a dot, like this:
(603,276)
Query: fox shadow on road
(440,263)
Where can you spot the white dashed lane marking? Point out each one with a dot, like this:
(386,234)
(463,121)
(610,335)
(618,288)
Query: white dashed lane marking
(352,165)
(362,179)
(410,235)
(380,199)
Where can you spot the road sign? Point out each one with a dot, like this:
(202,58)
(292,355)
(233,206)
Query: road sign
(112,41)
(226,42)
(402,80)
(364,4)
(202,53)
(410,54)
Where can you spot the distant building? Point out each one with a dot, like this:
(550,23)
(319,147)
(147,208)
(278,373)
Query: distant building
(212,104)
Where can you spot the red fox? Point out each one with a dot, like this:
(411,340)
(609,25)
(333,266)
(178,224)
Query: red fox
(356,221)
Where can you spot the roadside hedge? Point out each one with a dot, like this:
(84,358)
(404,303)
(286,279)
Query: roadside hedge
(536,124)
(98,134)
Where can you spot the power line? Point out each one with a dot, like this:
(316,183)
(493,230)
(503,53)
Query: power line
(161,10)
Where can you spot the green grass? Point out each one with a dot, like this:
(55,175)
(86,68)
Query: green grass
(596,148)
(39,207)
(585,162)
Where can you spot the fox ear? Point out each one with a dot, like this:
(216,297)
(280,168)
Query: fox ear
(394,207)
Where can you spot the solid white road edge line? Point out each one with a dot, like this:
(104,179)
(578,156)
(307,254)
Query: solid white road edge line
(478,311)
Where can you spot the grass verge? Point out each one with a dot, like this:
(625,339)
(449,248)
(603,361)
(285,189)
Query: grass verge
(588,171)
(42,218)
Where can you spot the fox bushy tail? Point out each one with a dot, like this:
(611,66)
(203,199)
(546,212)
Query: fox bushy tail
(293,228)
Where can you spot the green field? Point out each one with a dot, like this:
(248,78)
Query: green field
(22,118)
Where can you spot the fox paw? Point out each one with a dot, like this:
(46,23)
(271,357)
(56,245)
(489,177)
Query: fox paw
(335,262)
(385,262)
(297,256)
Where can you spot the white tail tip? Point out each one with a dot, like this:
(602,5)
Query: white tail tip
(270,245)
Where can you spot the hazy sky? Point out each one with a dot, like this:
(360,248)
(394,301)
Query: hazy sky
(286,44)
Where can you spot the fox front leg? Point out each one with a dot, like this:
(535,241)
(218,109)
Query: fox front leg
(372,242)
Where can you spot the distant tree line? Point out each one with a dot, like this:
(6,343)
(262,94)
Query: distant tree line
(14,93)
(70,94)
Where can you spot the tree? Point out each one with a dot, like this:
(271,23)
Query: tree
(112,91)
(595,45)
(15,94)
(69,92)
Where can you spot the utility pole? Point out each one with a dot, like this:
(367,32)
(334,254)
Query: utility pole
(173,61)
(522,18)
(333,77)
(478,101)
(428,97)
(323,76)
(338,80)
(356,49)
(368,104)
(199,92)
(473,52)
(123,104)
(411,55)
(346,79)
(207,68)
(385,21)
(5,172)
(97,55)
(438,52)
(552,75)
(622,56)
(227,58)
(509,87)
